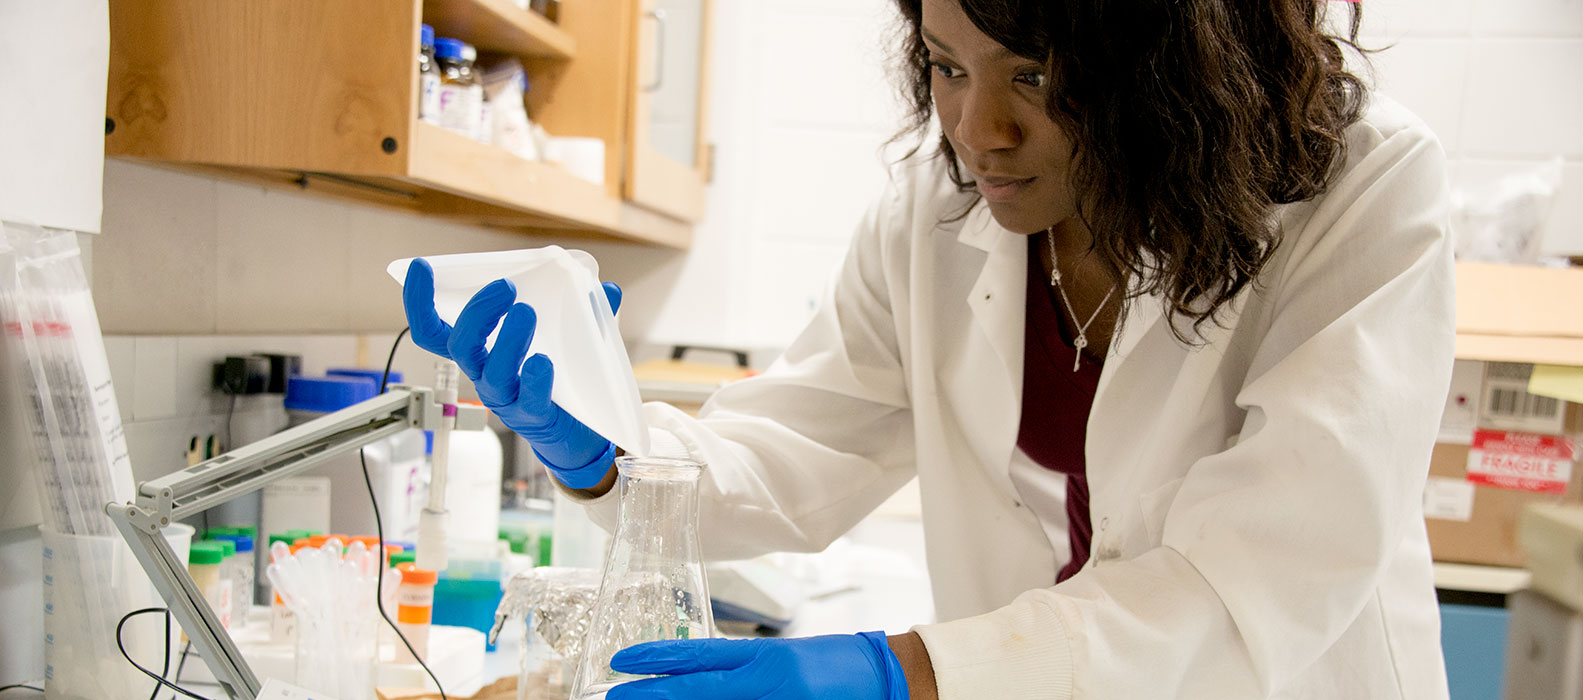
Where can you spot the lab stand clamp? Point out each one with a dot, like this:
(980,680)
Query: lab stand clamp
(242,471)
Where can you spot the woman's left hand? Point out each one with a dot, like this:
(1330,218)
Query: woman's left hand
(852,666)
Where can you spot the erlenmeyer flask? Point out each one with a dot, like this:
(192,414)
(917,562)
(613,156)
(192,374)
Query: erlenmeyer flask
(653,586)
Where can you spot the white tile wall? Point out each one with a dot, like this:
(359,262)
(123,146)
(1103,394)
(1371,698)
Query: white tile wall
(1389,20)
(1500,82)
(154,361)
(1530,18)
(1428,76)
(1525,98)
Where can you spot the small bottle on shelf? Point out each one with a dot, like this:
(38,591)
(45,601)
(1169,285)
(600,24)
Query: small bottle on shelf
(459,96)
(428,78)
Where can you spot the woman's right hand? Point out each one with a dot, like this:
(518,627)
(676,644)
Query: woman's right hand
(514,389)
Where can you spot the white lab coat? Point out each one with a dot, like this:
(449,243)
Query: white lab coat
(1256,500)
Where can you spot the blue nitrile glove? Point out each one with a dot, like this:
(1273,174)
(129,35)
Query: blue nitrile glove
(578,456)
(840,666)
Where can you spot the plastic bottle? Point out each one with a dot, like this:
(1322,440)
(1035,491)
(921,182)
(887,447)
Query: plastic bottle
(204,560)
(459,99)
(244,573)
(473,493)
(394,464)
(428,78)
(414,611)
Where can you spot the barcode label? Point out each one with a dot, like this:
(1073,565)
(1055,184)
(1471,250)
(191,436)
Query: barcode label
(1507,404)
(1511,403)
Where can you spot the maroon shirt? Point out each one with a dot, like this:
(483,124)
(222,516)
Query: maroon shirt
(1055,404)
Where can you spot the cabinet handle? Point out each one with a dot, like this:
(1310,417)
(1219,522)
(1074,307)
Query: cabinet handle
(677,351)
(659,50)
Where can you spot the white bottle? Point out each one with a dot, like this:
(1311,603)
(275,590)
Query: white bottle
(472,493)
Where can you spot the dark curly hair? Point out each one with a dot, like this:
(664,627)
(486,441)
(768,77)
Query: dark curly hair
(1190,120)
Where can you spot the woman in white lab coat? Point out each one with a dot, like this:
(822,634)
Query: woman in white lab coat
(1168,259)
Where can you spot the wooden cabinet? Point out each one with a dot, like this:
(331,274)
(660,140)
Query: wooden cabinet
(322,96)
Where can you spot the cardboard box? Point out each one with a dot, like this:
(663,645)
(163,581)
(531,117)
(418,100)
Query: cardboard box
(1505,313)
(1476,524)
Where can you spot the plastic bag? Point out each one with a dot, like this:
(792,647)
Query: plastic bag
(1504,221)
(55,356)
(59,364)
(576,330)
(506,83)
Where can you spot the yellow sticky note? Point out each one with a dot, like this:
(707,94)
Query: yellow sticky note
(1557,381)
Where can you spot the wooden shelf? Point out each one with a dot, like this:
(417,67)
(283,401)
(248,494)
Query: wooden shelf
(454,163)
(448,162)
(453,177)
(499,26)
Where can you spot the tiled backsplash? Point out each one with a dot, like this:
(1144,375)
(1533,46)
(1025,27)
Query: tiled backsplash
(163,385)
(1500,82)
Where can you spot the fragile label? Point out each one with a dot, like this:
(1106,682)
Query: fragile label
(1448,499)
(1521,461)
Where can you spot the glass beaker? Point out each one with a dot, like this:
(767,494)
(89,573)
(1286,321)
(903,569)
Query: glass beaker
(653,586)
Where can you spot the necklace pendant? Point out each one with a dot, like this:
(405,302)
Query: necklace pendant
(1077,350)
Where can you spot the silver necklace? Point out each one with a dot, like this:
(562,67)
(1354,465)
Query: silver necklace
(1055,279)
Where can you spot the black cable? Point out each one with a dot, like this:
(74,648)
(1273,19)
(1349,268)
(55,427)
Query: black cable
(185,650)
(379,528)
(165,671)
(136,665)
(230,415)
(23,686)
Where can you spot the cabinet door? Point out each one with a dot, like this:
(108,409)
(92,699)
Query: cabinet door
(667,156)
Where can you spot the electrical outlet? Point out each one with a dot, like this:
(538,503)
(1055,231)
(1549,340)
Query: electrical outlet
(249,374)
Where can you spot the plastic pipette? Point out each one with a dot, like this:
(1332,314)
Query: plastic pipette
(434,520)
